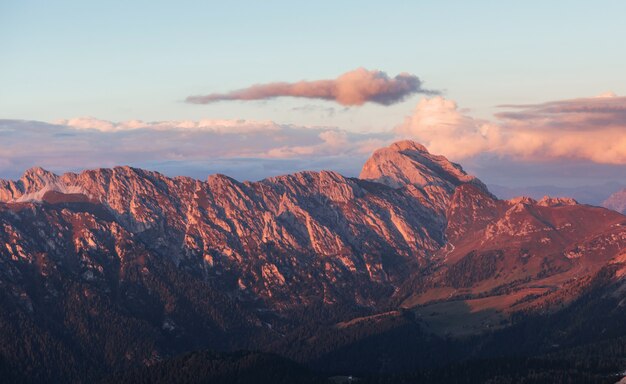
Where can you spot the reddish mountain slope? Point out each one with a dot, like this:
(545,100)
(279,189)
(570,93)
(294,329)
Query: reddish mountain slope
(289,240)
(176,263)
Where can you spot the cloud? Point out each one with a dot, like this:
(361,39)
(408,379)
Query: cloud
(584,114)
(568,142)
(352,88)
(216,126)
(444,129)
(334,142)
(592,129)
(586,128)
(242,148)
(320,110)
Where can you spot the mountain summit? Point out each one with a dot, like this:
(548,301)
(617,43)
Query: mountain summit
(407,162)
(432,179)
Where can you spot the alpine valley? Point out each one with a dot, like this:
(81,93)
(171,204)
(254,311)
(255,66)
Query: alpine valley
(413,272)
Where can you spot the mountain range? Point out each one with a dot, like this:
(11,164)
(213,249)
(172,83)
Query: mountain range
(410,268)
(587,194)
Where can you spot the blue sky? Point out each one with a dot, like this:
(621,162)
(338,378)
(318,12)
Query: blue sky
(120,60)
(126,60)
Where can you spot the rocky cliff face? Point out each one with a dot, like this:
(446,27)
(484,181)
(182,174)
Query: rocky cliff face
(306,238)
(296,239)
(432,179)
(177,262)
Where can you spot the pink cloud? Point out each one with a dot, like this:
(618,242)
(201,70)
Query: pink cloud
(334,142)
(241,148)
(587,128)
(222,126)
(352,88)
(440,125)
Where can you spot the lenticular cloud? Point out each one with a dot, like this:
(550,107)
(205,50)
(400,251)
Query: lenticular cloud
(356,87)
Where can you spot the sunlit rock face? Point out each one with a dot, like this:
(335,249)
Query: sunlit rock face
(406,164)
(289,240)
(302,239)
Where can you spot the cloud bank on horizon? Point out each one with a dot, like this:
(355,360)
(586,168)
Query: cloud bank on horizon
(208,125)
(353,88)
(584,132)
(244,149)
(592,129)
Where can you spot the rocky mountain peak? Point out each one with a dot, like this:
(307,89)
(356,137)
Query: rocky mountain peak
(407,162)
(37,171)
(548,201)
(33,180)
(408,145)
(37,177)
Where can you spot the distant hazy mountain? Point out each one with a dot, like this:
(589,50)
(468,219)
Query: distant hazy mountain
(616,202)
(591,194)
(413,265)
